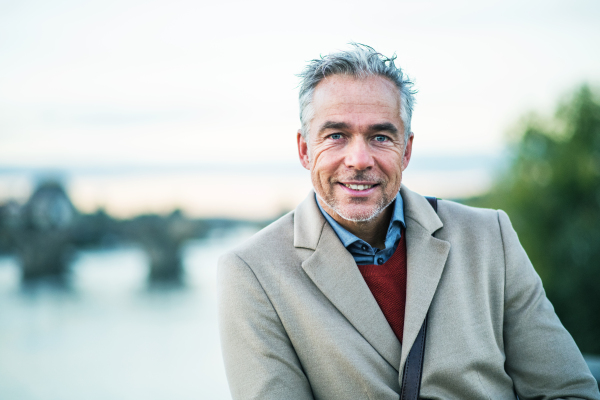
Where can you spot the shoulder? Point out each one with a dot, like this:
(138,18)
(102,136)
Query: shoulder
(479,224)
(274,242)
(452,211)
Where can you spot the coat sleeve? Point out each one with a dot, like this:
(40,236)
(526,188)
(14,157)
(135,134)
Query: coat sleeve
(260,361)
(541,357)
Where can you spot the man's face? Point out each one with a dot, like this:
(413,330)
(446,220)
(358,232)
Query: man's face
(356,146)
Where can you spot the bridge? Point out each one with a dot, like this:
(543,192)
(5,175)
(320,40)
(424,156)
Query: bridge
(48,230)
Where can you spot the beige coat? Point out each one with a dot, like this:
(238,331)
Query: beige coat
(298,321)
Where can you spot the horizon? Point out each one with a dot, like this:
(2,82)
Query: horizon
(128,191)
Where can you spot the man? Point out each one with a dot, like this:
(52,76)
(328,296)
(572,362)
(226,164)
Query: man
(327,302)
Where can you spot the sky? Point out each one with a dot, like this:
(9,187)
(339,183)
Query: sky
(182,83)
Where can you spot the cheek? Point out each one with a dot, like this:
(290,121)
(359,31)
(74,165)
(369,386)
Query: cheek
(390,164)
(324,160)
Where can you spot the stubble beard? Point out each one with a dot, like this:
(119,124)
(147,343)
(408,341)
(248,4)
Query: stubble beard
(332,202)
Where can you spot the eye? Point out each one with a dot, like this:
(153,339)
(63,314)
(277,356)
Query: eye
(335,136)
(381,138)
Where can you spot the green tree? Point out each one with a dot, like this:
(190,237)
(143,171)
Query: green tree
(551,191)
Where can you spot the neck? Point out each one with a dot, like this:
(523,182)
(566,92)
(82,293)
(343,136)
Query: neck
(373,231)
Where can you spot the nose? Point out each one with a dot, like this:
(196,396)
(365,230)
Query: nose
(358,155)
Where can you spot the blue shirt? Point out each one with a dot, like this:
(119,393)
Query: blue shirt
(362,251)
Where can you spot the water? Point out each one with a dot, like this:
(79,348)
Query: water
(110,337)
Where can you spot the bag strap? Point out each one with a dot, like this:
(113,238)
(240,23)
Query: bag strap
(413,369)
(433,201)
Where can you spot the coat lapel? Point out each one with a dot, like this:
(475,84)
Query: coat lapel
(333,270)
(426,257)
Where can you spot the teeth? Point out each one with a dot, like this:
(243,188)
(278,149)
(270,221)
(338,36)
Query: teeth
(358,187)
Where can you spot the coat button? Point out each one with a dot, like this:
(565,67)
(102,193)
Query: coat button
(380,261)
(364,247)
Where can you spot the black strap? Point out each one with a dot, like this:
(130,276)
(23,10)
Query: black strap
(432,201)
(413,369)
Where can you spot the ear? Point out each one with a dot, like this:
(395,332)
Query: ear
(303,150)
(407,151)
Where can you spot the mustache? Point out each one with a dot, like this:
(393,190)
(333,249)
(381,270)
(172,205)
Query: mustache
(360,176)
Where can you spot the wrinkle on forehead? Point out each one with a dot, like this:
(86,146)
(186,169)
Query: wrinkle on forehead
(373,90)
(357,102)
(340,95)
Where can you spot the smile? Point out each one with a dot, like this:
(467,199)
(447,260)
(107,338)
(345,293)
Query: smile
(358,187)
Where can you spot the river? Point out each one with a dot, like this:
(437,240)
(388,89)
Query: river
(108,336)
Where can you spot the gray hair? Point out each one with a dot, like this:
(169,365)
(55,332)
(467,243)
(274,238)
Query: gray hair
(361,61)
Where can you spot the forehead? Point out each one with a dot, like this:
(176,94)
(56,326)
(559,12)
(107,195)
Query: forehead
(344,95)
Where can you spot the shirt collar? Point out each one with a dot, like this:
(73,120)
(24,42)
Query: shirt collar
(396,222)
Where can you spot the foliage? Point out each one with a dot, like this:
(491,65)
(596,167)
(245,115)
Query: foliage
(551,191)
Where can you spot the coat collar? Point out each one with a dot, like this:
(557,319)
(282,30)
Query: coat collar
(333,270)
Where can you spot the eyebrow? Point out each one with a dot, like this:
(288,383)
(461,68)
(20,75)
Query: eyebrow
(384,126)
(334,125)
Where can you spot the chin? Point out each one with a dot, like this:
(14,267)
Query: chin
(355,209)
(358,214)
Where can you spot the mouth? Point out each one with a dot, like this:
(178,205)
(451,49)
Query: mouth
(359,187)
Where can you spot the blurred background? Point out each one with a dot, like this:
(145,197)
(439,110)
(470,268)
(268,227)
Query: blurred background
(141,139)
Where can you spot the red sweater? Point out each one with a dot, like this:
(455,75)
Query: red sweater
(388,285)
